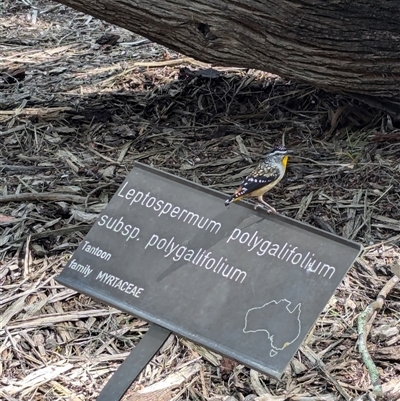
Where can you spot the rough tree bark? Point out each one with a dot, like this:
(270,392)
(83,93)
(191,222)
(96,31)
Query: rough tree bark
(350,46)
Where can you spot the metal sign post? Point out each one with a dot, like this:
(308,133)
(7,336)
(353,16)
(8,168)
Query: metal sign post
(137,360)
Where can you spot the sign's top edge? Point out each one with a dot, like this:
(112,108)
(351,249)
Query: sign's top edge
(259,211)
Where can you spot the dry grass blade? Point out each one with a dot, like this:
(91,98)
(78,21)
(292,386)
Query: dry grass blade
(37,379)
(162,389)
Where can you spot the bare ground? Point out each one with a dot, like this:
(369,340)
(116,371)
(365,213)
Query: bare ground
(74,117)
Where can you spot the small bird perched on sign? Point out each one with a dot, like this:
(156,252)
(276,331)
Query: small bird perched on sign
(264,177)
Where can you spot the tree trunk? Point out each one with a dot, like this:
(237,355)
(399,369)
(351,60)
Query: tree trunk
(350,46)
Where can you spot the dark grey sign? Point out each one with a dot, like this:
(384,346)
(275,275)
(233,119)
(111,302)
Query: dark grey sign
(244,283)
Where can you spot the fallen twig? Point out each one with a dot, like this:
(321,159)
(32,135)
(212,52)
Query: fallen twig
(57,197)
(364,319)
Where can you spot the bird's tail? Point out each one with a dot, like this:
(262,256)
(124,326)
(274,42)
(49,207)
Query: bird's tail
(229,200)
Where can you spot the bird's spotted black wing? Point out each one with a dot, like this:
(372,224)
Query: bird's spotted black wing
(260,177)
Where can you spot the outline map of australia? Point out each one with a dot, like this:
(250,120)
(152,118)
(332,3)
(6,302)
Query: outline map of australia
(269,313)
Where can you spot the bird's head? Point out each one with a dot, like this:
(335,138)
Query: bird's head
(278,155)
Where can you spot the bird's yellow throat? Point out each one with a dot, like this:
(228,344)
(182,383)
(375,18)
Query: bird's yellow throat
(285,160)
